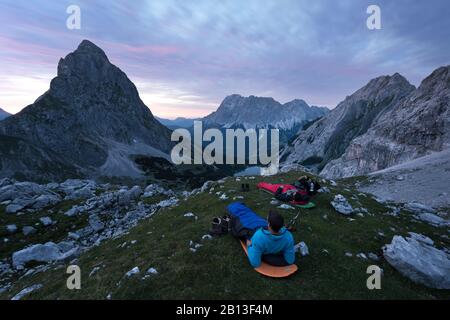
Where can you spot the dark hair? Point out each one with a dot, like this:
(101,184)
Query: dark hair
(276,220)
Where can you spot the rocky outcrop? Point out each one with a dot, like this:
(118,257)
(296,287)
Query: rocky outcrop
(416,258)
(417,125)
(47,252)
(89,122)
(341,205)
(328,138)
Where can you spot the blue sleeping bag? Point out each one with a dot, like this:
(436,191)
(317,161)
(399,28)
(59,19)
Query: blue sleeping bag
(244,222)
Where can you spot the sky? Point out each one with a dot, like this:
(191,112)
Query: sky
(186,56)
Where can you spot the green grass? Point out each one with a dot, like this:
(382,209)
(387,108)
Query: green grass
(53,233)
(220,270)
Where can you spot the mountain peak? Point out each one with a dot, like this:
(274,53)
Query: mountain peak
(86,61)
(87,46)
(383,86)
(91,111)
(4,114)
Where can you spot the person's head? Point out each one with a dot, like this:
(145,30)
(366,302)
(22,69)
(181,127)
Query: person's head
(275,220)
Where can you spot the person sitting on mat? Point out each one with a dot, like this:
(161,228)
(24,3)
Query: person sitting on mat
(274,245)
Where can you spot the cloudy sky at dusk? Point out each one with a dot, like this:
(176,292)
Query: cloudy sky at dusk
(186,56)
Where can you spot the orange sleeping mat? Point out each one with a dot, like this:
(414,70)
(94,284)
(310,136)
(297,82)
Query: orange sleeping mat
(273,271)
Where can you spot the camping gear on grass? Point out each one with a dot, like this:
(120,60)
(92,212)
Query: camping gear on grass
(244,222)
(272,189)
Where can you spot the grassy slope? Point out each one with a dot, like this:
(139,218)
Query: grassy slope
(220,269)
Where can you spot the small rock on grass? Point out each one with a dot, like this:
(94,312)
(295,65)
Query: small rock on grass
(26,291)
(152,271)
(207,237)
(302,248)
(362,256)
(132,272)
(286,207)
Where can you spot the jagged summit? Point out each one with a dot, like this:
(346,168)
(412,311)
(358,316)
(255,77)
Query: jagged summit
(92,117)
(253,111)
(415,126)
(328,138)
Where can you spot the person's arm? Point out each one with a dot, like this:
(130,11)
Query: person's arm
(254,253)
(289,252)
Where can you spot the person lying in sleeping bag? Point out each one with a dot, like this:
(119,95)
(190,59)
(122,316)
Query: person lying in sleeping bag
(291,195)
(274,244)
(307,184)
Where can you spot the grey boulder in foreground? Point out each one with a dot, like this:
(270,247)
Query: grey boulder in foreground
(417,259)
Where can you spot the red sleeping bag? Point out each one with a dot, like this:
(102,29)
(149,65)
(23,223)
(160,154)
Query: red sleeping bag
(272,188)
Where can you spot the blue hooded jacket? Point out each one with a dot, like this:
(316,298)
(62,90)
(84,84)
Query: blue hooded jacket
(264,242)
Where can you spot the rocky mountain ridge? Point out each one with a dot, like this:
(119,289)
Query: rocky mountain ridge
(91,121)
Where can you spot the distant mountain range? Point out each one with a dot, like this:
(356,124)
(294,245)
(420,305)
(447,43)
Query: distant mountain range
(179,122)
(386,122)
(4,114)
(237,111)
(92,123)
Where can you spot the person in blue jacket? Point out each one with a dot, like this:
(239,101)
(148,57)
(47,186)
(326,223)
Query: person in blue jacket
(274,245)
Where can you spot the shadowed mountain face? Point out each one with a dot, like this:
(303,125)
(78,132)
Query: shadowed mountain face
(3,114)
(91,119)
(417,125)
(328,138)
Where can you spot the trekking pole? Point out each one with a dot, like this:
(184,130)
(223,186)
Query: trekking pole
(293,221)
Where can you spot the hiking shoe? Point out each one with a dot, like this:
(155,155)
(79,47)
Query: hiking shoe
(225,223)
(216,227)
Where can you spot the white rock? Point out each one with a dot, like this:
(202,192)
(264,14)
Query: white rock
(362,256)
(341,205)
(93,271)
(223,197)
(26,291)
(418,207)
(14,208)
(45,200)
(27,230)
(46,221)
(95,223)
(419,261)
(285,206)
(11,228)
(39,252)
(432,219)
(421,238)
(189,215)
(152,271)
(207,237)
(302,248)
(132,272)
